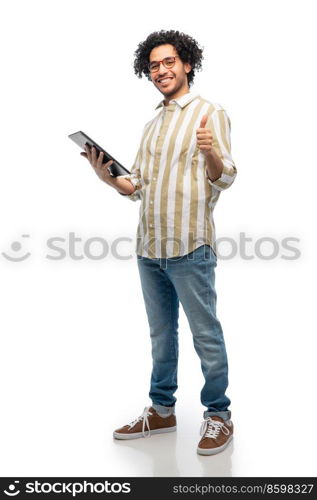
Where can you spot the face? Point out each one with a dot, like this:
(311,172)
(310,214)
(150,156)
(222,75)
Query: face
(172,82)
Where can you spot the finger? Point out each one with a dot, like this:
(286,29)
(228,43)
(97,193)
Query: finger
(203,121)
(202,135)
(84,154)
(204,141)
(93,155)
(100,160)
(107,165)
(88,151)
(104,165)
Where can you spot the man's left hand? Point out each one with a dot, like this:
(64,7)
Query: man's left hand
(204,137)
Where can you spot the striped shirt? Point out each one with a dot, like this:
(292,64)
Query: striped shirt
(171,180)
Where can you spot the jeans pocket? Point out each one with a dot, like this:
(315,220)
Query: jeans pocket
(210,254)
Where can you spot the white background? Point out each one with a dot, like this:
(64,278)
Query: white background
(75,348)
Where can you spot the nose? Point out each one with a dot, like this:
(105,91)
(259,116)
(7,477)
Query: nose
(162,74)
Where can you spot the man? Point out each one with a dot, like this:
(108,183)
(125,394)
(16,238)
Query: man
(182,165)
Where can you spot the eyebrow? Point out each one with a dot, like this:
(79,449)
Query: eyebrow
(156,60)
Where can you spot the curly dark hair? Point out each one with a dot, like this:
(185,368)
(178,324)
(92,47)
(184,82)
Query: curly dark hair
(186,47)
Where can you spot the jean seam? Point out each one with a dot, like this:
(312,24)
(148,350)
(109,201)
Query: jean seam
(208,285)
(172,320)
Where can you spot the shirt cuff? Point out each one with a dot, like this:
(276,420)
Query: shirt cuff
(227,177)
(136,183)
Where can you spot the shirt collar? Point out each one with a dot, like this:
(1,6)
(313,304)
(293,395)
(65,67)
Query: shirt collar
(181,101)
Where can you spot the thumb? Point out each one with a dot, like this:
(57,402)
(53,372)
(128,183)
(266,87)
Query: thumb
(203,121)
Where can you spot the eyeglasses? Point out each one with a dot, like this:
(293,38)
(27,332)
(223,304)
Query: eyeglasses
(168,62)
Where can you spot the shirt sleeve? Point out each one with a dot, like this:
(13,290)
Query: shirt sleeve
(220,125)
(135,178)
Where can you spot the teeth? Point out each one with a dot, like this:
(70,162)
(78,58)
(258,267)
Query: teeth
(165,79)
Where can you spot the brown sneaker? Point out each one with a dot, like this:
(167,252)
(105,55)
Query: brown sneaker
(150,421)
(216,434)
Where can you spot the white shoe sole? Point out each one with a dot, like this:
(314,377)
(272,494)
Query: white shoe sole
(213,451)
(135,435)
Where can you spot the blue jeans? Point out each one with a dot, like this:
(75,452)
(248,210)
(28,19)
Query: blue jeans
(189,279)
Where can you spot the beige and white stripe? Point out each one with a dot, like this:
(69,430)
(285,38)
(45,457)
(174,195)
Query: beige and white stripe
(170,177)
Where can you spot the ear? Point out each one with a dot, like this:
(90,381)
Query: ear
(187,67)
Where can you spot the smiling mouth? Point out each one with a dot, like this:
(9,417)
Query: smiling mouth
(165,80)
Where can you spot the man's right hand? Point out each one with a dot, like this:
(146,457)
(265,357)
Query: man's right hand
(100,168)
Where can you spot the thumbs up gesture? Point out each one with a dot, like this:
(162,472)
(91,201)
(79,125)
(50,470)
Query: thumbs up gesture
(204,137)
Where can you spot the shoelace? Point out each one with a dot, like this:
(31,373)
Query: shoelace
(145,419)
(211,428)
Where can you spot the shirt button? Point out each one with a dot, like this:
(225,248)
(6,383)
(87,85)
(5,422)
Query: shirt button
(154,178)
(151,225)
(151,201)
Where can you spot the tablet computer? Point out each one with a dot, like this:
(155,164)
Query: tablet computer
(115,168)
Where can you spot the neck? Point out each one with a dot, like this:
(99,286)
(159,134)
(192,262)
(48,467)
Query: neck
(178,94)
